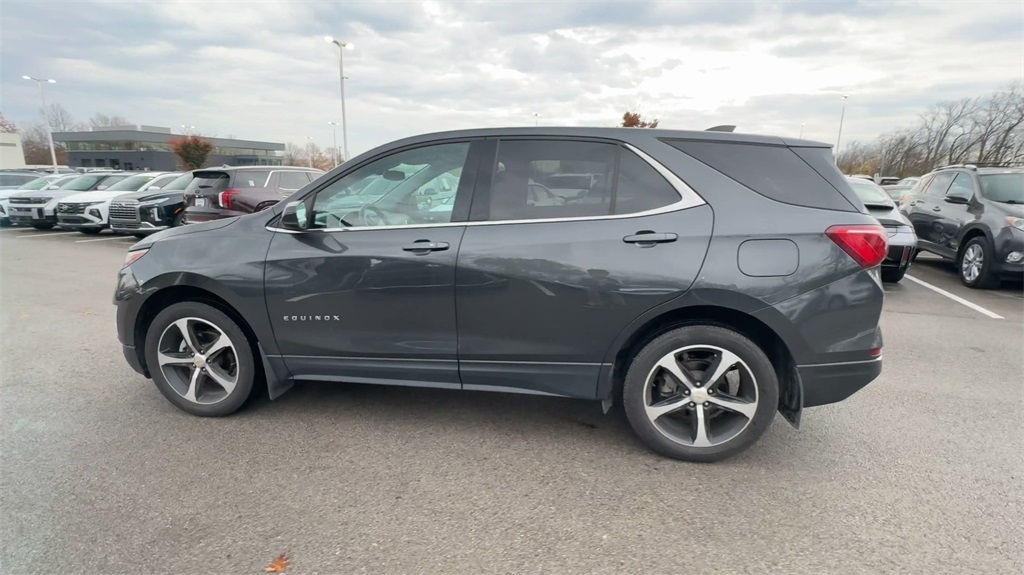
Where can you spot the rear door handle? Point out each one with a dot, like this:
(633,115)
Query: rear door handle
(426,246)
(647,238)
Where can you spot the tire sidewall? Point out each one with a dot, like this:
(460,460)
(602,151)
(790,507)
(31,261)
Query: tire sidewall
(633,399)
(986,263)
(243,352)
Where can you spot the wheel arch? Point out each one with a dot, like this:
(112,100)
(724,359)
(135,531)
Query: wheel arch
(970,233)
(742,322)
(277,378)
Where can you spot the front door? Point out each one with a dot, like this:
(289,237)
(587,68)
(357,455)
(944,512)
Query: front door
(545,282)
(367,295)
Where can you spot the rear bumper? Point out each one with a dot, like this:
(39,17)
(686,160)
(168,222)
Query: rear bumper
(833,382)
(901,247)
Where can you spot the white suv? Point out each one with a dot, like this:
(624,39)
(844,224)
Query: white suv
(37,208)
(88,212)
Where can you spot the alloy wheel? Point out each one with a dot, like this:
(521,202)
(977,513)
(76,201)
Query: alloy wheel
(198,360)
(701,396)
(973,260)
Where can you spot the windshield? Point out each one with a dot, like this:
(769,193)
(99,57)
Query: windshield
(82,183)
(1006,188)
(37,184)
(869,193)
(131,183)
(179,183)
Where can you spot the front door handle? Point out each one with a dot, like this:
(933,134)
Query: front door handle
(937,209)
(649,238)
(425,246)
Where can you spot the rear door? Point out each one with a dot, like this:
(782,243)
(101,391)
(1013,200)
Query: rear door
(543,287)
(954,214)
(924,211)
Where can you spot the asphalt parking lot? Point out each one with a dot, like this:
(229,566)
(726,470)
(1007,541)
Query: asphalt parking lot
(919,472)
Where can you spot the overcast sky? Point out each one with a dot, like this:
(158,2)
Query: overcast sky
(261,70)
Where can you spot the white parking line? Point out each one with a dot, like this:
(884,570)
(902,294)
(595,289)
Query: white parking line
(99,240)
(956,298)
(44,235)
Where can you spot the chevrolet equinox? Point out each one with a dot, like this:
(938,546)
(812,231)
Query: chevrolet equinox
(704,279)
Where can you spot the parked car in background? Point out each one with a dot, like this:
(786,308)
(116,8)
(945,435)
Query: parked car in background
(571,186)
(38,208)
(153,209)
(217,193)
(88,212)
(37,184)
(901,236)
(723,277)
(12,180)
(973,216)
(886,181)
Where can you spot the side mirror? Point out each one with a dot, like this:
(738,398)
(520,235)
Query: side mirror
(295,217)
(958,197)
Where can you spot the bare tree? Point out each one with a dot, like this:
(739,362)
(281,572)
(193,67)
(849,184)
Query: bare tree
(7,126)
(61,119)
(105,121)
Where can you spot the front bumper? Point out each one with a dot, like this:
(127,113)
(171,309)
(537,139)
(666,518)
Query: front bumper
(30,215)
(833,382)
(141,219)
(1008,241)
(79,222)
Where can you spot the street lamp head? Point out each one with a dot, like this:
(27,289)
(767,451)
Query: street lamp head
(329,39)
(52,81)
(845,96)
(348,45)
(27,77)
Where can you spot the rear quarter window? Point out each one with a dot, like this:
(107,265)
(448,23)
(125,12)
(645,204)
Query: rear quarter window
(801,177)
(250,179)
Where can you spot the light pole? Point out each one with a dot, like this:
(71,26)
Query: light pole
(842,115)
(309,150)
(46,116)
(334,134)
(801,130)
(536,118)
(342,46)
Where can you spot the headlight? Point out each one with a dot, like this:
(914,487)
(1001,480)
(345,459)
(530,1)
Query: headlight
(1016,222)
(155,202)
(132,257)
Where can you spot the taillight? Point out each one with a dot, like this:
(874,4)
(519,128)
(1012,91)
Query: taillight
(224,198)
(866,244)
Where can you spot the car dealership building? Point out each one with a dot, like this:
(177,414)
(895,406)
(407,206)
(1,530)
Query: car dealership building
(149,147)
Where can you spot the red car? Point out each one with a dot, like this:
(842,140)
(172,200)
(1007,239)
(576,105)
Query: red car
(217,193)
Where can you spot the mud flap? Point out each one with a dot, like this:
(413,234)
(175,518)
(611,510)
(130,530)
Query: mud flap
(279,379)
(791,403)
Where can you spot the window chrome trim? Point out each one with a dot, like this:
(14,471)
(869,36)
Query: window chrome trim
(688,198)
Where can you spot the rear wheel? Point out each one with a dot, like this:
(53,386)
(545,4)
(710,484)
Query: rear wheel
(43,227)
(700,393)
(974,264)
(201,360)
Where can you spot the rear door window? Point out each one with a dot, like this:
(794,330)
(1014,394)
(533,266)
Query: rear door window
(292,180)
(801,176)
(250,179)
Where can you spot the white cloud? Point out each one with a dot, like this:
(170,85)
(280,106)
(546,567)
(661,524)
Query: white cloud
(262,70)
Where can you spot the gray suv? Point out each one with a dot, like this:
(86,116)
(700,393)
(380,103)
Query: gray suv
(705,280)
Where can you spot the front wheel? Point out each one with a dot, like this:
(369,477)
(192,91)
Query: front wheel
(700,393)
(975,265)
(201,361)
(43,227)
(90,231)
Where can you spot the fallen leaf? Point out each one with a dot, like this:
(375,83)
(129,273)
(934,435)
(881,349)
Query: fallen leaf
(278,565)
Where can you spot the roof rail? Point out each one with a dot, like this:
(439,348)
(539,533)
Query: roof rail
(976,165)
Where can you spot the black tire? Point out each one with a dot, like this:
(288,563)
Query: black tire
(140,236)
(244,361)
(43,227)
(893,275)
(986,279)
(90,231)
(913,255)
(634,399)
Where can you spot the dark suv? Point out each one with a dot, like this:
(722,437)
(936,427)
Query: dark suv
(706,280)
(973,215)
(216,193)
